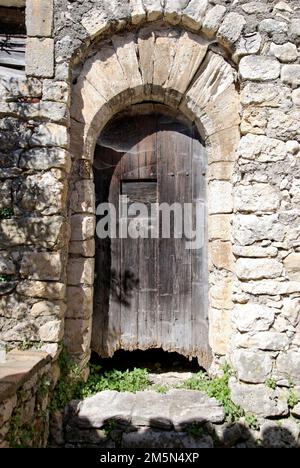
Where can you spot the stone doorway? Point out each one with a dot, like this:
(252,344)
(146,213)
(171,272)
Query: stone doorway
(207,98)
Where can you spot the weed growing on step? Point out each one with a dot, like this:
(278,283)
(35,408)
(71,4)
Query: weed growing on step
(160,388)
(109,427)
(252,422)
(195,430)
(218,388)
(120,381)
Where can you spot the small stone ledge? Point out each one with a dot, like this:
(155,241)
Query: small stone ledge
(19,367)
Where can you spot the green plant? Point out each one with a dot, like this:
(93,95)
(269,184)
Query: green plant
(26,345)
(109,427)
(5,278)
(69,384)
(120,381)
(194,430)
(252,422)
(43,387)
(271,383)
(218,388)
(293,399)
(6,213)
(160,388)
(19,436)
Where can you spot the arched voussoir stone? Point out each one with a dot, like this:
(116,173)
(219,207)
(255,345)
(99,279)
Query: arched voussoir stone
(168,66)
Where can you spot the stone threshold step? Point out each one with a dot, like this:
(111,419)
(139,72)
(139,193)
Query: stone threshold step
(174,410)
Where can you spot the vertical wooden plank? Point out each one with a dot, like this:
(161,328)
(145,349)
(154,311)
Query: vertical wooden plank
(168,280)
(183,255)
(200,332)
(106,318)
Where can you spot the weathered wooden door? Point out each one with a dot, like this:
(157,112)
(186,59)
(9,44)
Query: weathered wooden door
(151,292)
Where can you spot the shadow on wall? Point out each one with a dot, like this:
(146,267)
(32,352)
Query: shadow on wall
(160,433)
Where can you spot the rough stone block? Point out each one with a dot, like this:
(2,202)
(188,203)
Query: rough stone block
(292,266)
(220,197)
(258,68)
(7,266)
(83,197)
(261,148)
(258,399)
(52,331)
(80,302)
(266,341)
(256,198)
(57,91)
(80,271)
(220,331)
(271,26)
(290,74)
(194,13)
(285,53)
(45,158)
(212,20)
(219,227)
(291,310)
(42,266)
(39,18)
(252,366)
(173,10)
(45,232)
(48,308)
(248,229)
(258,268)
(82,227)
(248,45)
(95,22)
(295,27)
(40,57)
(221,255)
(288,365)
(254,251)
(253,317)
(42,193)
(84,248)
(231,29)
(264,94)
(50,134)
(154,9)
(41,289)
(221,294)
(5,194)
(77,335)
(138,13)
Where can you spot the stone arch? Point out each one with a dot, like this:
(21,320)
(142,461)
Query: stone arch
(176,68)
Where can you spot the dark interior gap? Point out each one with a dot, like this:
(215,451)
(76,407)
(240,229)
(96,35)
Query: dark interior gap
(155,360)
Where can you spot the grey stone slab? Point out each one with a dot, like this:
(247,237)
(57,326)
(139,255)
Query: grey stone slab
(151,409)
(188,406)
(95,411)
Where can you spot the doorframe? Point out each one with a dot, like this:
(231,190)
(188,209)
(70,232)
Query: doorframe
(216,115)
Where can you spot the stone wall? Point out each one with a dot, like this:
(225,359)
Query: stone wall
(255,238)
(27,379)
